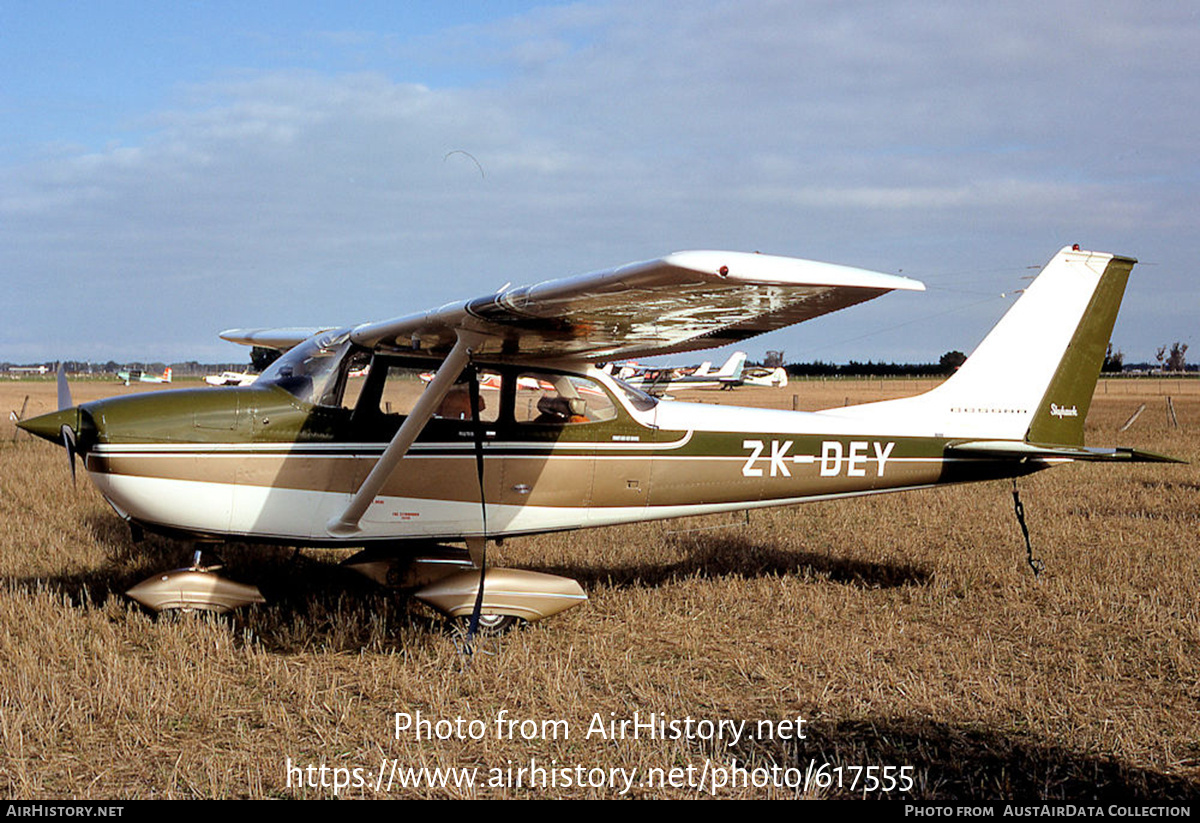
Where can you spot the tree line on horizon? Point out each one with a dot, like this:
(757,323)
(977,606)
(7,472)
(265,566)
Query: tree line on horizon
(1170,359)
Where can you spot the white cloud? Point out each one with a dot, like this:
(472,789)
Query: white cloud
(609,132)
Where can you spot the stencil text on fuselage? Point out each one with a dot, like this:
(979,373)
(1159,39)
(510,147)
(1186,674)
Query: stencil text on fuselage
(853,457)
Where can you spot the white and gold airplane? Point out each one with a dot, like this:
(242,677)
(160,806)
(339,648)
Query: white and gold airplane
(231,378)
(403,465)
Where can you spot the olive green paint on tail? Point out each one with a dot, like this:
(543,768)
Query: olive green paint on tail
(1064,407)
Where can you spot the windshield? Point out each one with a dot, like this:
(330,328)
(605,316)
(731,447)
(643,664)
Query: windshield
(310,370)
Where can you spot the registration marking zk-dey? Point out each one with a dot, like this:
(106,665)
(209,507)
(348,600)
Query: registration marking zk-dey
(834,455)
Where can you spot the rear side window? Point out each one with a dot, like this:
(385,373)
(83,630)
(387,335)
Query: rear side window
(560,400)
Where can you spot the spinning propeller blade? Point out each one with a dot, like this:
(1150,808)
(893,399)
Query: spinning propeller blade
(67,433)
(68,438)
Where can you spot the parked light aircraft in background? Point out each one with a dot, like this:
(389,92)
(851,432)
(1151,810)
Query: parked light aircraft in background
(231,378)
(632,368)
(305,456)
(658,380)
(762,376)
(139,376)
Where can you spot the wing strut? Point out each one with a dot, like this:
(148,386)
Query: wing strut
(346,524)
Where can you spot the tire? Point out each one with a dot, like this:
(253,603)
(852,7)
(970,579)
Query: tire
(490,625)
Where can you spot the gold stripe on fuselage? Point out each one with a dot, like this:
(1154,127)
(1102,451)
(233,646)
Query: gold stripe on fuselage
(738,468)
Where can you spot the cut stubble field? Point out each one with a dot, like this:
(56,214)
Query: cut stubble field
(907,630)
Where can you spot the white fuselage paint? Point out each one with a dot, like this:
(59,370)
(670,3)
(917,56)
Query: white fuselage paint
(275,513)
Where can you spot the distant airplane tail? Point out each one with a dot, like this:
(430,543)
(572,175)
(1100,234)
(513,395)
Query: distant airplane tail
(732,370)
(167,375)
(1033,376)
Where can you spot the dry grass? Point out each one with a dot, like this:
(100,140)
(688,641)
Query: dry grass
(906,629)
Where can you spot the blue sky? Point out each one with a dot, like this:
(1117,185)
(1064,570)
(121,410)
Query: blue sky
(170,170)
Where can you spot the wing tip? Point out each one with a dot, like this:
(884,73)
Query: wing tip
(278,338)
(769,268)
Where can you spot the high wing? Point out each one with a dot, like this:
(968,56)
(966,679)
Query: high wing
(280,339)
(682,302)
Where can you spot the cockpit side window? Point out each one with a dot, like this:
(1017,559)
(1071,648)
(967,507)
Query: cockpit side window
(456,405)
(354,373)
(560,399)
(404,383)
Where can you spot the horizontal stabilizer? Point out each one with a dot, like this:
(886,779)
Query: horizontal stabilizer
(1010,450)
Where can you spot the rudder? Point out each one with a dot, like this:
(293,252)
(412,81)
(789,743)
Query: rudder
(1060,415)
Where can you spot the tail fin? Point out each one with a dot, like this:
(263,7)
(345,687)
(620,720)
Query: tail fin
(167,375)
(732,370)
(1064,406)
(1033,376)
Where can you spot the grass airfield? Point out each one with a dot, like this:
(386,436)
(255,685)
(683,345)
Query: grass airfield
(907,630)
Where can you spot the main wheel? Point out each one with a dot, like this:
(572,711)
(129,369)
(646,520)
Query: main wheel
(490,625)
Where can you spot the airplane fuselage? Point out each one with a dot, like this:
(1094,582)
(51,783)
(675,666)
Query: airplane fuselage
(258,463)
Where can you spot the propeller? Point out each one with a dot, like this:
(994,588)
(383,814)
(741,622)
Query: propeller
(68,438)
(17,418)
(66,432)
(68,426)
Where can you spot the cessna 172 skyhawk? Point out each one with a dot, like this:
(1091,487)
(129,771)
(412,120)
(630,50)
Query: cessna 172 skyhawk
(518,433)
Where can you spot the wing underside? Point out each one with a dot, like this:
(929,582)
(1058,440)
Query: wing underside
(682,302)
